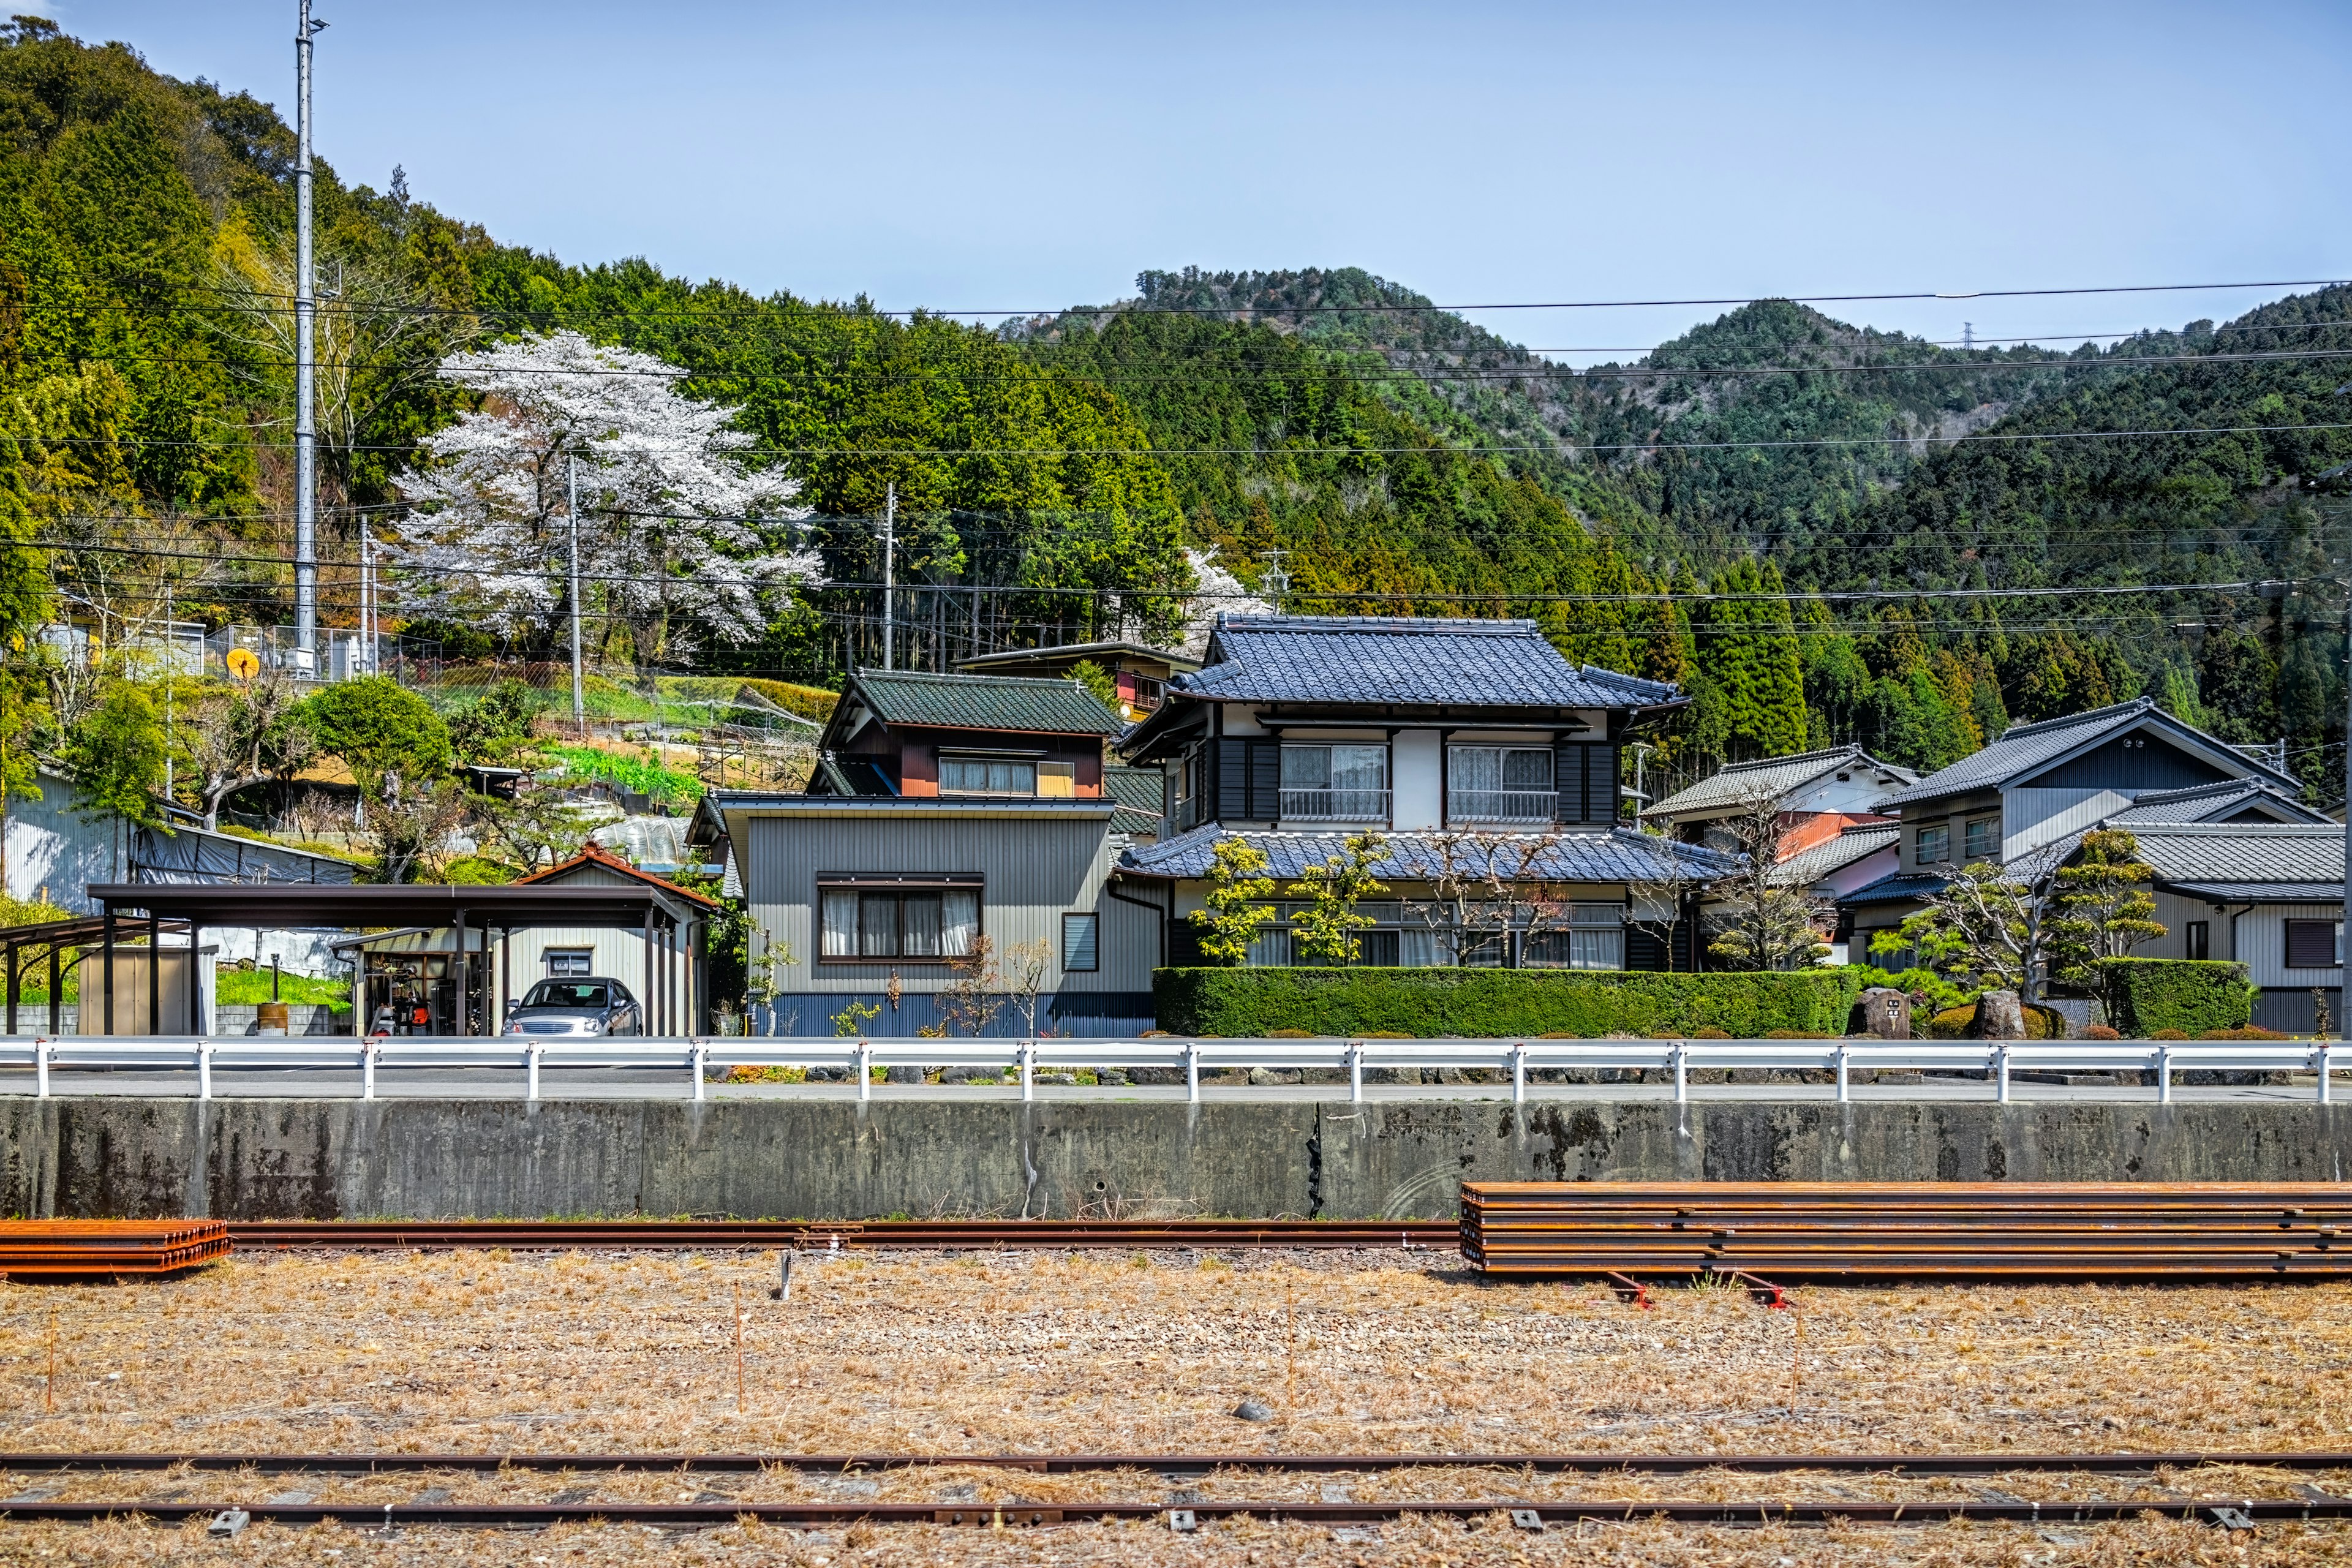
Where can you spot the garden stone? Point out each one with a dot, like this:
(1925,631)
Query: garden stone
(1251,1410)
(2001,1017)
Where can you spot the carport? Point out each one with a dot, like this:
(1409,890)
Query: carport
(672,927)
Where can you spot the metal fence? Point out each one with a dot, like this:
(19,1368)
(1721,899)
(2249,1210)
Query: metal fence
(697,1058)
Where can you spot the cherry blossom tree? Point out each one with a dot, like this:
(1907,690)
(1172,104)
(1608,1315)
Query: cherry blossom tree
(677,537)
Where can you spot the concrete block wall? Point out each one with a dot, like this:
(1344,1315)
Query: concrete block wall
(814,1159)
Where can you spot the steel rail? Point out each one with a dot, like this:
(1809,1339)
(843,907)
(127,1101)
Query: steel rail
(391,1517)
(765,1235)
(2305,1461)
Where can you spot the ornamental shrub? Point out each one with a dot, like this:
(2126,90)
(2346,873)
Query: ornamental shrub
(2191,995)
(1528,1003)
(1961,1024)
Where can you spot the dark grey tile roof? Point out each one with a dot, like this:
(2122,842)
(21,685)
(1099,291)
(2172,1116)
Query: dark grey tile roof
(2204,803)
(1900,886)
(1367,659)
(1809,866)
(1737,783)
(1616,855)
(2025,747)
(2244,854)
(1029,704)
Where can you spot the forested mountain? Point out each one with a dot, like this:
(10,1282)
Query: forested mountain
(1400,459)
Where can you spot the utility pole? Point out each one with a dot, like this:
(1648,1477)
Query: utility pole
(306,370)
(889,526)
(579,697)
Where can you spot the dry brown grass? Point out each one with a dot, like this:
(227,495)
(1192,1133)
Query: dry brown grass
(1099,1352)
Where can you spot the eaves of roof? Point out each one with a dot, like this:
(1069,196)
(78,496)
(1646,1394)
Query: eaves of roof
(1610,856)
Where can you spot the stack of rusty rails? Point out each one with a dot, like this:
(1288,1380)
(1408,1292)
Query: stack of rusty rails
(769,1235)
(35,1249)
(1789,1232)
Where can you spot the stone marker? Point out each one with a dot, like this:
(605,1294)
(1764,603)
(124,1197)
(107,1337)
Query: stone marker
(1883,1013)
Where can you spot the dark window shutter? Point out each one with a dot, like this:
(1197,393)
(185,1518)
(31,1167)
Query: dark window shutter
(2311,944)
(1233,780)
(1264,780)
(1568,778)
(1646,949)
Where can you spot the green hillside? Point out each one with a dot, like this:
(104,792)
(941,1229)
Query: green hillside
(1400,459)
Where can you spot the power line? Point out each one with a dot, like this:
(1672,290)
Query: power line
(1564,448)
(1433,375)
(1356,307)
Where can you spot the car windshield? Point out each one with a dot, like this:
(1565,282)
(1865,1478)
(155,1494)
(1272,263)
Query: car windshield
(569,993)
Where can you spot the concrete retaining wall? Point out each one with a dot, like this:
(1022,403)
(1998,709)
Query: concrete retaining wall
(838,1160)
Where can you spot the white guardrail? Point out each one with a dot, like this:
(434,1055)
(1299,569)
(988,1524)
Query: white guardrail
(699,1057)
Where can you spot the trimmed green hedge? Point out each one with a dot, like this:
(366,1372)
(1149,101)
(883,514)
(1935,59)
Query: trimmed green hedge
(1520,1003)
(2191,995)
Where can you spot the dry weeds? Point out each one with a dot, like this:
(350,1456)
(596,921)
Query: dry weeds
(1149,1354)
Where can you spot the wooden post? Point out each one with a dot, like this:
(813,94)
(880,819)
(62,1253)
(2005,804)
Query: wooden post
(107,977)
(195,1001)
(154,972)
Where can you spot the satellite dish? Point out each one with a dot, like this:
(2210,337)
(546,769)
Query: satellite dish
(243,663)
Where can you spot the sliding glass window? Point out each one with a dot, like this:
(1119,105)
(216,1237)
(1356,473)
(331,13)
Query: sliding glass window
(868,924)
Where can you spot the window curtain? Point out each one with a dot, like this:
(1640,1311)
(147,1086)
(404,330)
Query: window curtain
(840,923)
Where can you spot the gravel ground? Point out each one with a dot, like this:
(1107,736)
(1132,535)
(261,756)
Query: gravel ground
(582,1353)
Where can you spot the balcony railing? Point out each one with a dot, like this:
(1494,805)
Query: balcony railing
(1502,806)
(1335,805)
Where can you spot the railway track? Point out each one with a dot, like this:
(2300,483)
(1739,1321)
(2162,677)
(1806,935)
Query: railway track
(1185,1511)
(2230,1511)
(766,1235)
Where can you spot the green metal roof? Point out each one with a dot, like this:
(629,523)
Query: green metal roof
(986,702)
(1140,793)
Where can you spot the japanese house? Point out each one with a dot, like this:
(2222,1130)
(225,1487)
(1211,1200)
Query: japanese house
(1472,747)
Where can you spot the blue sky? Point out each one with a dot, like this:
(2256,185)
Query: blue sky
(1041,155)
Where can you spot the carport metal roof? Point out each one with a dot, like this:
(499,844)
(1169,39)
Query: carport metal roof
(358,905)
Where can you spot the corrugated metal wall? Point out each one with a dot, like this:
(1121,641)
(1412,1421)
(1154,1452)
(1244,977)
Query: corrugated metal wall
(2262,945)
(1033,870)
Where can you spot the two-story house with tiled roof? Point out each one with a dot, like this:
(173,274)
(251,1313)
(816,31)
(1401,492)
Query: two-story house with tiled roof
(1442,736)
(2024,798)
(948,814)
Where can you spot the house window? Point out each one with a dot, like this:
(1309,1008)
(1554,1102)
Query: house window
(1980,839)
(1058,781)
(2315,944)
(1933,845)
(868,924)
(1499,783)
(1594,939)
(1337,784)
(1147,695)
(563,962)
(1078,935)
(2200,938)
(987,775)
